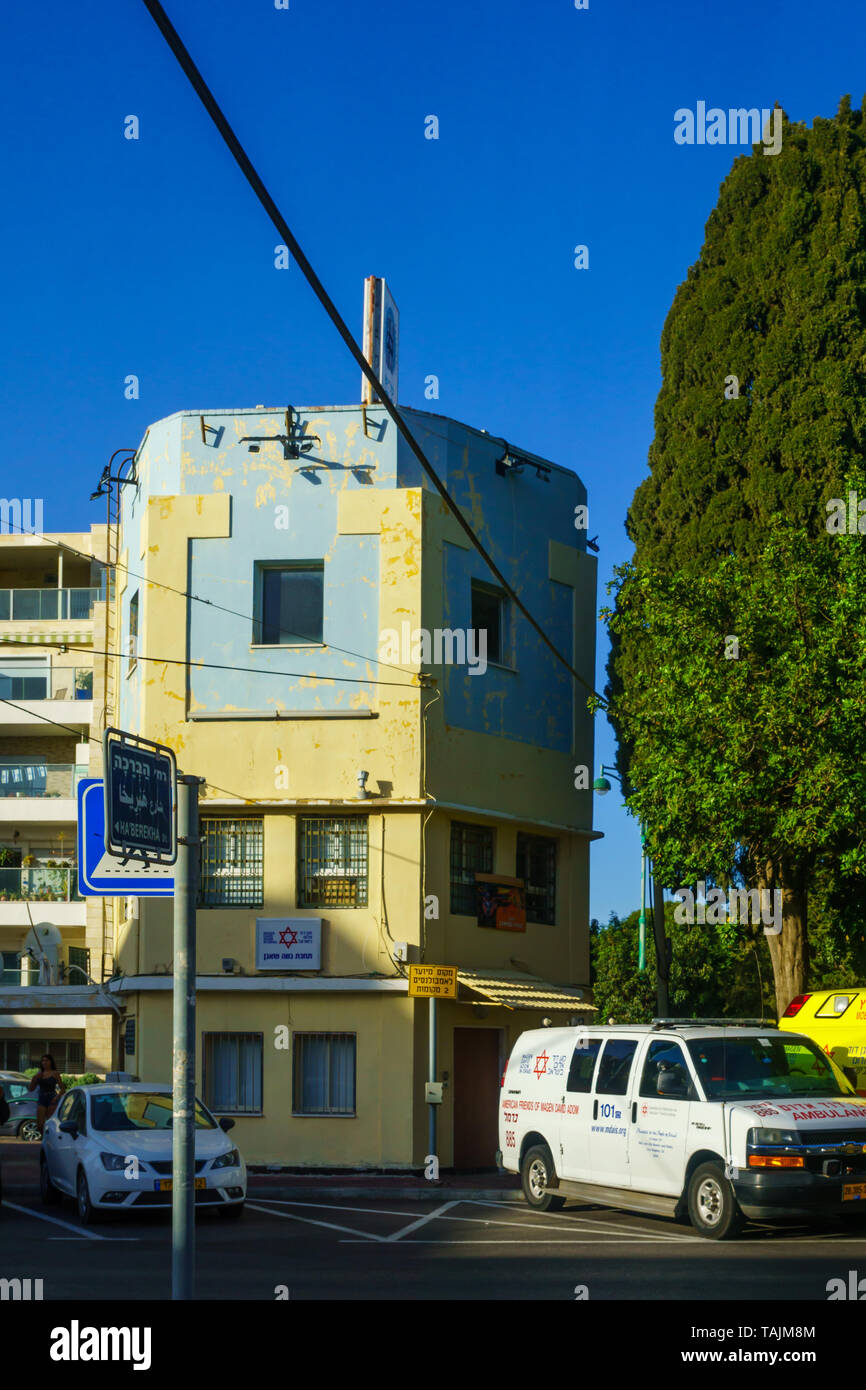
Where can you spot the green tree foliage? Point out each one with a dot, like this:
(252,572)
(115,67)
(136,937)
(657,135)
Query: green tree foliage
(713,974)
(748,771)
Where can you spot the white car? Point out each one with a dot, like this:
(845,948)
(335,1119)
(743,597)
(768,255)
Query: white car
(711,1119)
(109,1147)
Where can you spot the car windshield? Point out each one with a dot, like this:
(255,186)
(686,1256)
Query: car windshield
(752,1068)
(139,1110)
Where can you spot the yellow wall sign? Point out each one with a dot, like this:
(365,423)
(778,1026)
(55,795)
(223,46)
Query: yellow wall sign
(433,981)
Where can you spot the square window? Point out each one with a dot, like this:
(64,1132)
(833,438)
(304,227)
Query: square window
(232,862)
(233,1073)
(290,603)
(332,861)
(324,1074)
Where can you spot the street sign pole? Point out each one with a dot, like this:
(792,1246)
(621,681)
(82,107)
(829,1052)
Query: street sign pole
(431,1070)
(186,882)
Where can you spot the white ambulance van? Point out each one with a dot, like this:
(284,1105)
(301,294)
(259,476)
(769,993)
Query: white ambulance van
(718,1120)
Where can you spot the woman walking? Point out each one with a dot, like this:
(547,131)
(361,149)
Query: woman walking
(51,1088)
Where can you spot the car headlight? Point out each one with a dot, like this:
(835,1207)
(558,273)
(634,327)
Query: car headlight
(230,1160)
(773,1137)
(113,1162)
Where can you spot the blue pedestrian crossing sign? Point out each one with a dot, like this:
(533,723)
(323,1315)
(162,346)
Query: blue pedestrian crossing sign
(106,875)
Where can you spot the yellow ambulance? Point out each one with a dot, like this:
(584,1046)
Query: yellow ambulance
(836,1020)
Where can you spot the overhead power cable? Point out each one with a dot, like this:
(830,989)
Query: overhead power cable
(198,598)
(214,110)
(210,665)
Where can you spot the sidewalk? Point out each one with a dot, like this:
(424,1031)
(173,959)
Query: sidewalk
(491,1186)
(20,1166)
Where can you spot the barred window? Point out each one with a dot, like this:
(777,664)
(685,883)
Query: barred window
(536,865)
(233,1072)
(232,862)
(324,1074)
(471,854)
(332,861)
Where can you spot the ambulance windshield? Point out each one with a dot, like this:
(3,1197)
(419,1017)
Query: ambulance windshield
(751,1068)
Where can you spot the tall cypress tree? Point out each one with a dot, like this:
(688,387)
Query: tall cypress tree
(760,422)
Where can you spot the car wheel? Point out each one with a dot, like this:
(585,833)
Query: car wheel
(87,1213)
(536,1173)
(712,1204)
(234,1210)
(29,1132)
(47,1191)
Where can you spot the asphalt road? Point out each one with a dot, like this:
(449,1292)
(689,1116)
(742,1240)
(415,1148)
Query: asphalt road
(437,1249)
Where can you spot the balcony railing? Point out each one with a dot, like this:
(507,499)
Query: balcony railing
(29,605)
(42,883)
(55,683)
(32,778)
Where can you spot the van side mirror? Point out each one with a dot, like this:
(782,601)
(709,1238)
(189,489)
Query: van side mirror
(226,1124)
(671,1083)
(69,1127)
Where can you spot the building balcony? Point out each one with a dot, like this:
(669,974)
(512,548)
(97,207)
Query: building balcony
(40,883)
(27,778)
(54,605)
(19,680)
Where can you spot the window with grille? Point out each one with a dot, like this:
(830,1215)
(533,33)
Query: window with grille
(324,1074)
(536,865)
(332,861)
(471,854)
(232,863)
(233,1072)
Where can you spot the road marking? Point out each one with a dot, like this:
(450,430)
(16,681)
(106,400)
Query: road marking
(562,1217)
(422,1221)
(55,1221)
(290,1216)
(524,1240)
(575,1223)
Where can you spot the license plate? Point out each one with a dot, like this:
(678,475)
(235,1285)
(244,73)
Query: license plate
(165,1184)
(854,1191)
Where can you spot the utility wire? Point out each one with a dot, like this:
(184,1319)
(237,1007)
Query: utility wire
(198,598)
(213,109)
(209,665)
(249,800)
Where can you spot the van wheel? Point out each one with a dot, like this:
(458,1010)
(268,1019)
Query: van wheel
(712,1204)
(536,1173)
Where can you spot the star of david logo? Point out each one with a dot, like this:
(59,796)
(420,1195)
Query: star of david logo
(288,937)
(543,1059)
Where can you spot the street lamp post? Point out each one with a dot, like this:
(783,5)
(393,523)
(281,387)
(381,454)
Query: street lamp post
(602,786)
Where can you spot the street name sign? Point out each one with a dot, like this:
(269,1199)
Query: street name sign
(433,981)
(140,798)
(102,875)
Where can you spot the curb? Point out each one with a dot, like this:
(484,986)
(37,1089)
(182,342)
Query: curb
(412,1194)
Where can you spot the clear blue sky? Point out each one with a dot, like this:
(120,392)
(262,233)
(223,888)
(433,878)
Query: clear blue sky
(556,128)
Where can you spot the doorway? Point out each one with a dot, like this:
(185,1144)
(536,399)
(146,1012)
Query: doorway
(477,1068)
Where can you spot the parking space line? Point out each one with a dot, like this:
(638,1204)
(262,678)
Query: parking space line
(562,1217)
(574,1223)
(523,1240)
(309,1220)
(79,1231)
(422,1221)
